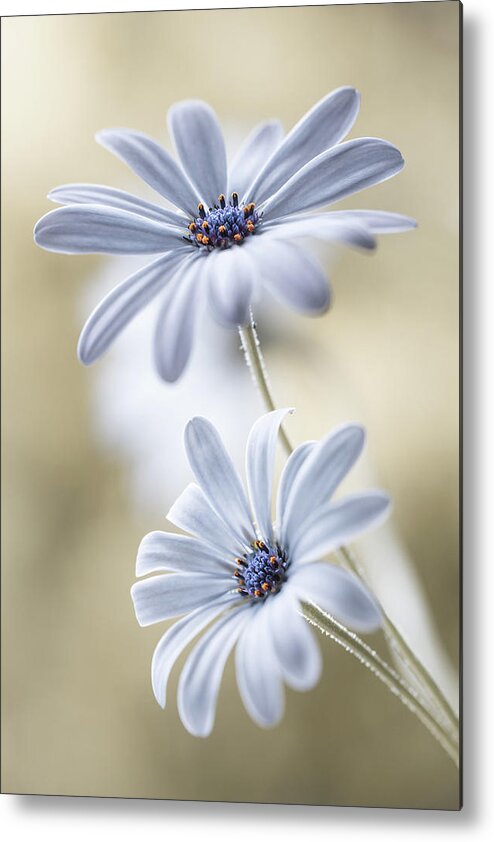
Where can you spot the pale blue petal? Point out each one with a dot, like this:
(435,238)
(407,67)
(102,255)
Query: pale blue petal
(121,304)
(216,475)
(328,227)
(297,651)
(176,322)
(287,478)
(339,593)
(378,222)
(336,173)
(160,551)
(162,597)
(201,676)
(193,513)
(231,282)
(259,463)
(200,146)
(177,638)
(293,275)
(95,229)
(258,671)
(252,155)
(97,194)
(153,164)
(321,128)
(335,524)
(323,470)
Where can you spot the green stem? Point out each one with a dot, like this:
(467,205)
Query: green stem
(436,713)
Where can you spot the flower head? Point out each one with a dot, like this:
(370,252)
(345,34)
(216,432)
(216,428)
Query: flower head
(233,228)
(247,576)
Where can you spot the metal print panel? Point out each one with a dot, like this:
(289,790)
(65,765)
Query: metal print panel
(231,384)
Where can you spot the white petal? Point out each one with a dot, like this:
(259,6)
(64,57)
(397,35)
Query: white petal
(328,227)
(172,594)
(334,174)
(176,322)
(329,461)
(379,222)
(260,456)
(167,551)
(216,474)
(95,229)
(334,524)
(200,680)
(339,593)
(255,150)
(199,144)
(97,194)
(177,638)
(121,304)
(287,478)
(297,651)
(258,672)
(153,164)
(293,276)
(322,127)
(193,513)
(230,280)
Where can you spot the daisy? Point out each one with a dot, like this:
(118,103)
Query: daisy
(234,228)
(245,577)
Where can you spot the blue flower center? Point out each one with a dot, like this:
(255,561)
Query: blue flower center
(261,572)
(223,225)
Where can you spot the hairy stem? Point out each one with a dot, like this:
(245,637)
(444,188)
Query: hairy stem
(369,658)
(429,705)
(255,362)
(407,657)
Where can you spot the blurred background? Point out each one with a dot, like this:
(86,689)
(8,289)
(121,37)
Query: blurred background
(93,458)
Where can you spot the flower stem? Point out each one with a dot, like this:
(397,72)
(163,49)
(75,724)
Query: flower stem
(369,658)
(430,705)
(407,657)
(255,362)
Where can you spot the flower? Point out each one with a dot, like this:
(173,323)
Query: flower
(260,203)
(248,575)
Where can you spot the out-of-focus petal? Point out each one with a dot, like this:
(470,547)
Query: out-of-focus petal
(255,150)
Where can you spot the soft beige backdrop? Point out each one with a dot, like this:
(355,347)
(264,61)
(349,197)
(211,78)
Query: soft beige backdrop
(78,712)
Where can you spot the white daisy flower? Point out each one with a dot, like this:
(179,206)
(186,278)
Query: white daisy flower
(248,575)
(259,203)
